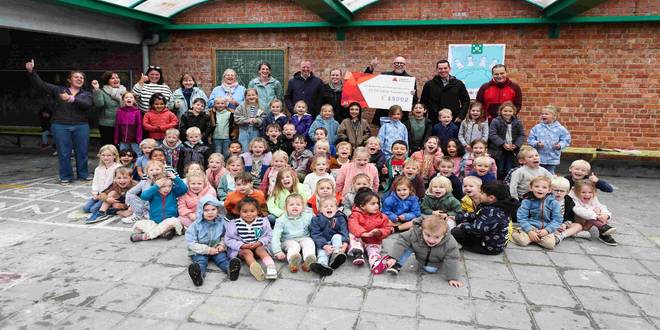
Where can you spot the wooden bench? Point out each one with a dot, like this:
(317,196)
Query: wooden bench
(594,153)
(19,131)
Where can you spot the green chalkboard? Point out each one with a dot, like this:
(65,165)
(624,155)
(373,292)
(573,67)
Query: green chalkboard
(245,62)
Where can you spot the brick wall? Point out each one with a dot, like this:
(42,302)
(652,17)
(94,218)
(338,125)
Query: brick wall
(604,77)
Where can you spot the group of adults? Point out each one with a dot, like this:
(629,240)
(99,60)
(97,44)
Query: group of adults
(70,125)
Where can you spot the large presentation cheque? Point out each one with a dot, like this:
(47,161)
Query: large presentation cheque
(378,90)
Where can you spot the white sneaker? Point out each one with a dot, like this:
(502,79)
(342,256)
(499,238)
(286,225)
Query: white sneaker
(271,273)
(131,219)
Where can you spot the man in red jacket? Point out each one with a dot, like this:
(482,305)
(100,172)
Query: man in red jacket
(497,91)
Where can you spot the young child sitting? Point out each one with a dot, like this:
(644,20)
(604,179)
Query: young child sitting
(114,197)
(235,149)
(274,138)
(377,157)
(279,161)
(198,187)
(172,147)
(244,188)
(581,170)
(325,188)
(419,127)
(368,227)
(394,165)
(472,190)
(439,200)
(401,205)
(392,130)
(163,216)
(445,129)
(481,169)
(205,240)
(478,150)
(411,171)
(359,164)
(257,160)
(319,167)
(433,248)
(521,178)
(291,234)
(139,207)
(103,178)
(569,228)
(127,159)
(193,150)
(524,151)
(248,237)
(285,184)
(539,216)
(300,156)
(589,212)
(146,146)
(446,169)
(549,137)
(227,181)
(428,158)
(325,119)
(359,181)
(330,235)
(216,168)
(486,230)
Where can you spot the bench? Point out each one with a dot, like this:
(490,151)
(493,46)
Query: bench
(19,131)
(594,153)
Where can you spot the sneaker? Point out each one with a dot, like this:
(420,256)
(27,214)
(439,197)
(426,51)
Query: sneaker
(54,153)
(271,273)
(548,242)
(106,216)
(234,268)
(359,258)
(130,219)
(65,182)
(308,261)
(168,235)
(89,178)
(337,259)
(95,217)
(321,269)
(607,239)
(395,269)
(257,271)
(379,266)
(136,237)
(294,263)
(583,234)
(195,273)
(606,230)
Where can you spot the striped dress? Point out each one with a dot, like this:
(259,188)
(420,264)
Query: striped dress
(143,94)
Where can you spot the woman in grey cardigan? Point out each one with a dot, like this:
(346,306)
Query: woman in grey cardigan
(183,96)
(107,97)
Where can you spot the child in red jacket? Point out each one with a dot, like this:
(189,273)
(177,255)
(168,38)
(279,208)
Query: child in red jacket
(368,227)
(159,118)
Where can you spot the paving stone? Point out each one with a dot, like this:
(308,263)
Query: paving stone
(435,283)
(171,304)
(492,270)
(617,322)
(569,245)
(200,326)
(496,290)
(467,255)
(91,319)
(350,275)
(432,324)
(245,287)
(123,298)
(598,300)
(290,291)
(592,278)
(556,318)
(284,273)
(371,321)
(536,274)
(392,302)
(447,308)
(528,256)
(598,248)
(339,297)
(634,240)
(268,315)
(542,294)
(113,271)
(144,253)
(211,282)
(620,265)
(74,292)
(325,318)
(572,261)
(43,315)
(155,275)
(222,310)
(654,266)
(77,268)
(179,257)
(649,304)
(643,253)
(132,323)
(641,284)
(405,280)
(9,305)
(502,314)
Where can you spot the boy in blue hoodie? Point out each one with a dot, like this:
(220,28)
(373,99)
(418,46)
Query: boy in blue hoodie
(539,216)
(205,240)
(445,129)
(163,211)
(326,120)
(330,235)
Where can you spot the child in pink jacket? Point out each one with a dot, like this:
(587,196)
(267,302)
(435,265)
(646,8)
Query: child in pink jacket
(198,187)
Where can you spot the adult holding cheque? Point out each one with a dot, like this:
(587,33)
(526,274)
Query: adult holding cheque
(393,96)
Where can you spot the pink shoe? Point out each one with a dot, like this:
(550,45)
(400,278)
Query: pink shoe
(359,259)
(380,265)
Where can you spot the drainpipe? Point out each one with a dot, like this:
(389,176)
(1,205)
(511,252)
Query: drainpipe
(145,50)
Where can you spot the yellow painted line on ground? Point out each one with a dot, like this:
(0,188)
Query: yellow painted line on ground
(12,185)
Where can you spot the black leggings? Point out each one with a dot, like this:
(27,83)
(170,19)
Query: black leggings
(470,243)
(107,134)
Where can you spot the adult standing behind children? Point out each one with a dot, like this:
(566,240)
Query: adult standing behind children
(497,91)
(229,89)
(332,95)
(69,126)
(107,96)
(183,97)
(150,83)
(398,69)
(268,88)
(304,86)
(444,91)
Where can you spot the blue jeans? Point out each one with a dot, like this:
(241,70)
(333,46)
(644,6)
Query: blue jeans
(67,137)
(44,137)
(92,205)
(550,168)
(404,257)
(245,135)
(505,164)
(133,146)
(221,146)
(322,256)
(430,269)
(221,260)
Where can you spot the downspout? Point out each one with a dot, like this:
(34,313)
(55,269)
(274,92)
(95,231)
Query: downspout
(145,50)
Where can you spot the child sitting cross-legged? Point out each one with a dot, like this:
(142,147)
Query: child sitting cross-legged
(244,188)
(368,226)
(401,205)
(439,200)
(114,197)
(205,240)
(434,247)
(330,235)
(291,234)
(539,216)
(163,215)
(103,178)
(560,187)
(589,212)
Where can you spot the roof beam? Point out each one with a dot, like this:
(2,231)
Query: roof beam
(330,10)
(563,9)
(114,10)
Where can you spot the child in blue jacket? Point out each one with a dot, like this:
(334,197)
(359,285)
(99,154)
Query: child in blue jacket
(539,216)
(163,211)
(330,235)
(401,204)
(326,120)
(445,129)
(392,129)
(205,240)
(549,137)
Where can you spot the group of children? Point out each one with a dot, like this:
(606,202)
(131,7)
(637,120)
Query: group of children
(314,192)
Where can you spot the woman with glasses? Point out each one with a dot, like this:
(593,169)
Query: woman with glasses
(150,83)
(399,69)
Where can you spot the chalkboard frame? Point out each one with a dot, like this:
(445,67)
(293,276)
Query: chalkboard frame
(216,77)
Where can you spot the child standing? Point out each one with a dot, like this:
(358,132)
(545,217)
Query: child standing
(505,138)
(244,188)
(198,188)
(589,212)
(279,162)
(521,177)
(205,240)
(439,200)
(248,236)
(392,130)
(301,156)
(401,205)
(257,159)
(486,230)
(446,169)
(394,164)
(330,235)
(569,228)
(163,216)
(360,164)
(419,128)
(103,178)
(285,185)
(539,216)
(301,120)
(581,170)
(472,190)
(128,124)
(216,169)
(474,127)
(478,150)
(172,147)
(249,117)
(196,117)
(428,158)
(193,150)
(319,167)
(277,114)
(227,182)
(291,234)
(222,125)
(361,180)
(326,120)
(549,137)
(159,118)
(454,150)
(481,169)
(354,129)
(445,129)
(368,227)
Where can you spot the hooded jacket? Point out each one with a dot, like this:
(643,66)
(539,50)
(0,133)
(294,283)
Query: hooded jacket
(443,254)
(490,223)
(492,94)
(389,132)
(549,134)
(447,203)
(202,235)
(302,124)
(323,228)
(361,222)
(156,123)
(177,95)
(454,96)
(393,206)
(202,121)
(163,207)
(356,133)
(309,90)
(540,214)
(128,125)
(290,228)
(329,124)
(444,133)
(497,135)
